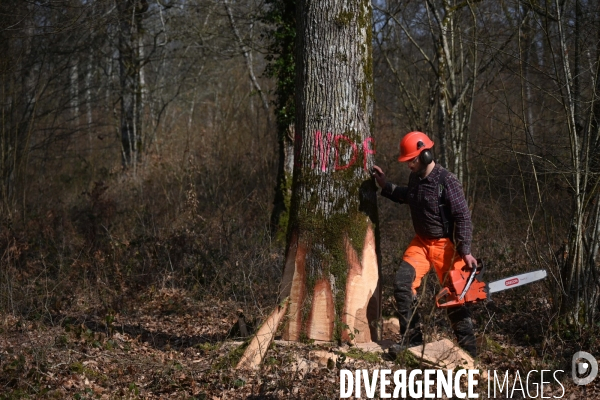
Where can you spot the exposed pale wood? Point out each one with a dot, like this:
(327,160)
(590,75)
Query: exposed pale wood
(375,347)
(443,354)
(256,350)
(301,366)
(320,321)
(296,287)
(322,357)
(361,286)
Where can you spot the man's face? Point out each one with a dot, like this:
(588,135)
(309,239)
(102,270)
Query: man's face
(414,165)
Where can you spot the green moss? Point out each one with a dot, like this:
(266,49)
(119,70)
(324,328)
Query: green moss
(492,345)
(325,234)
(359,354)
(338,327)
(344,18)
(331,255)
(231,359)
(207,347)
(407,359)
(76,367)
(342,57)
(364,22)
(272,361)
(284,218)
(305,339)
(96,375)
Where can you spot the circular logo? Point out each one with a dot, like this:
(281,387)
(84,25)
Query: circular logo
(584,368)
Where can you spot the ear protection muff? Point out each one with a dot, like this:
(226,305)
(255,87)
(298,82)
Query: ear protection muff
(425,157)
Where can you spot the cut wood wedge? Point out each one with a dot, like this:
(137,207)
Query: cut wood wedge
(256,350)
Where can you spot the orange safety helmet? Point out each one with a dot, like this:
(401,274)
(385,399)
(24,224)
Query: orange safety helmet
(412,144)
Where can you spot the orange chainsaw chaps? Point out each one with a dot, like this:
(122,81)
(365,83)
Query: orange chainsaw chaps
(450,294)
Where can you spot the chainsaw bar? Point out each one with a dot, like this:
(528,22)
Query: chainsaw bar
(467,287)
(517,280)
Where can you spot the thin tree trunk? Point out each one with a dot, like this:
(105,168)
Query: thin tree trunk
(74,76)
(141,91)
(247,53)
(130,68)
(528,41)
(88,98)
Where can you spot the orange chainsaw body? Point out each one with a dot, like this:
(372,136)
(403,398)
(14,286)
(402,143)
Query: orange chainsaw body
(457,280)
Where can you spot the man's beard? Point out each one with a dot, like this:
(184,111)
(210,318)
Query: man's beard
(421,170)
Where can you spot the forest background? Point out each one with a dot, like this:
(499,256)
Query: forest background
(143,155)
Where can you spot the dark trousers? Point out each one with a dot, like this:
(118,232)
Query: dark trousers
(460,317)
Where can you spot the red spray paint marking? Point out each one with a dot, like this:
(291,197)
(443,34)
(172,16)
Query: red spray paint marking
(322,149)
(367,150)
(337,152)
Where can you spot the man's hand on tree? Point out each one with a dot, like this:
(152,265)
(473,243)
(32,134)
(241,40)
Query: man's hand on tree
(379,176)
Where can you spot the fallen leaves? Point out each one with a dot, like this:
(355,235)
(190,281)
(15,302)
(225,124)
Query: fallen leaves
(183,354)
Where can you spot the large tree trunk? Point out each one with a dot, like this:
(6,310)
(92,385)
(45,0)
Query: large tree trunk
(332,270)
(330,287)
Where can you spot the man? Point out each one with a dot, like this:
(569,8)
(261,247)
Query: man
(442,240)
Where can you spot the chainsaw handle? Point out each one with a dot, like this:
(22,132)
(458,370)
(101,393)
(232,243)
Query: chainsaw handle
(453,298)
(473,272)
(480,268)
(442,293)
(450,303)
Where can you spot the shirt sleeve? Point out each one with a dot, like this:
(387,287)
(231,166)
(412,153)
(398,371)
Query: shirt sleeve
(394,192)
(463,228)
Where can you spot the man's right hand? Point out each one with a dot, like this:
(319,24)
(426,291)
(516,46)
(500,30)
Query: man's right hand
(470,262)
(379,176)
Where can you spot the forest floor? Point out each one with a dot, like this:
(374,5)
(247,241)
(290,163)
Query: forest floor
(166,344)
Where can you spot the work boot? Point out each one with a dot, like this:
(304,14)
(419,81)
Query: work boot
(462,325)
(415,338)
(405,299)
(408,317)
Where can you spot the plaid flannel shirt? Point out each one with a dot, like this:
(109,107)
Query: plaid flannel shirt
(422,198)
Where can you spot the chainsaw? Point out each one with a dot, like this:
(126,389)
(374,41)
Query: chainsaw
(466,286)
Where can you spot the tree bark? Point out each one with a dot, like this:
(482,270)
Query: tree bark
(332,270)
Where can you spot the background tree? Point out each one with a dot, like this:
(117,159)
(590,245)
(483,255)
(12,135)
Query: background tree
(574,74)
(281,34)
(436,53)
(131,77)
